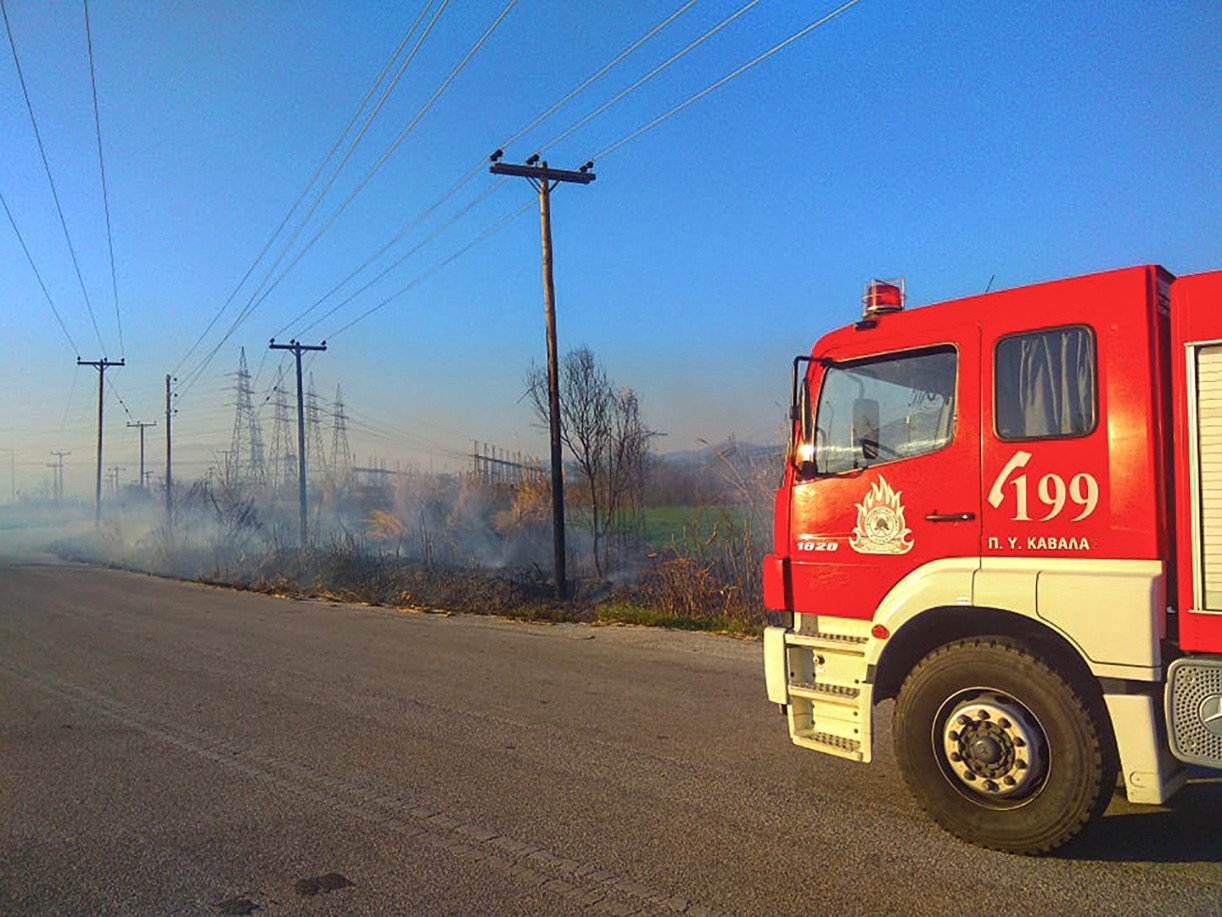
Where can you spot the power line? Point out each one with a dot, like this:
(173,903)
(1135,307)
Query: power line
(254,303)
(63,422)
(712,87)
(721,82)
(97,123)
(254,382)
(387,430)
(383,431)
(602,70)
(398,237)
(47,167)
(491,230)
(505,220)
(402,258)
(119,398)
(466,178)
(650,75)
(475,170)
(392,147)
(28,257)
(509,217)
(263,290)
(314,178)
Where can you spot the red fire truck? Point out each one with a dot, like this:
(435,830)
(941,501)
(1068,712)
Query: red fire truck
(1005,512)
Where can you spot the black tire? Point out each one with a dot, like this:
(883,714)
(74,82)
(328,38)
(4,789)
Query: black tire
(1001,750)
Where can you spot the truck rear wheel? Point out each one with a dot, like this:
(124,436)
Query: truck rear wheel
(1000,749)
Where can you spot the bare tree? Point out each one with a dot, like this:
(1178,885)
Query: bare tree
(629,461)
(606,437)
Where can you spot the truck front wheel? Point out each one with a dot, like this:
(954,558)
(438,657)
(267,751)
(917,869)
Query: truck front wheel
(1000,749)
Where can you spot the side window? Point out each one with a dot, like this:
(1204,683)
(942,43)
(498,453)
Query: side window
(885,409)
(1044,384)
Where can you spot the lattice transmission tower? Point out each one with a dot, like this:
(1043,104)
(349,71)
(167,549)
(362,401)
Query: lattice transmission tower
(341,453)
(316,458)
(284,439)
(246,465)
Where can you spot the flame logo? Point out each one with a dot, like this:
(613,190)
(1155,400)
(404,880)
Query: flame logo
(880,522)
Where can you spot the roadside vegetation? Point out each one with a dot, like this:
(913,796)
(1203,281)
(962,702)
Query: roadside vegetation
(660,541)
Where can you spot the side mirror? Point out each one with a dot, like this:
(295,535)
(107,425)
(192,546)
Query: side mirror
(866,427)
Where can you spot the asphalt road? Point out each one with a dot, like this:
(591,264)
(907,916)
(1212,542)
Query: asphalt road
(171,748)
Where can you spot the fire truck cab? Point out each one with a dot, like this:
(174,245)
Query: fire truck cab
(1005,512)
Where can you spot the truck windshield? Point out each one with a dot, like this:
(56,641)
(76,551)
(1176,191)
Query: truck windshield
(884,409)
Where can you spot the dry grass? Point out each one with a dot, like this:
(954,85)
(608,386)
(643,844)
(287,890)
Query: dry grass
(472,549)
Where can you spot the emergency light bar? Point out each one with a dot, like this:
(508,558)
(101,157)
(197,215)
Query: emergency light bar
(881,296)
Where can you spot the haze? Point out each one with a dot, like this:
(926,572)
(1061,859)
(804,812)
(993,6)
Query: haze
(961,146)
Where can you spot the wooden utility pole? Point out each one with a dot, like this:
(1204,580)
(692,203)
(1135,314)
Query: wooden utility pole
(59,475)
(298,348)
(169,478)
(141,424)
(101,365)
(115,470)
(544,179)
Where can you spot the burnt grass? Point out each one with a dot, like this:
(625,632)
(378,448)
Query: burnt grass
(675,592)
(524,593)
(659,598)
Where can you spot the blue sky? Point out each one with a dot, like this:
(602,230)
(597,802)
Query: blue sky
(952,143)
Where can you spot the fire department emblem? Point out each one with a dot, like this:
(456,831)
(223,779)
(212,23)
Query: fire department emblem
(880,522)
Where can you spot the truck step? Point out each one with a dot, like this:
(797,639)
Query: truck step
(831,744)
(818,690)
(827,641)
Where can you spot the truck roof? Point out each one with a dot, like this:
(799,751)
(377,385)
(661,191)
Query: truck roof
(1087,298)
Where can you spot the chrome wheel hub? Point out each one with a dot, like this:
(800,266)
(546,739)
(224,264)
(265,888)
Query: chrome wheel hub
(993,745)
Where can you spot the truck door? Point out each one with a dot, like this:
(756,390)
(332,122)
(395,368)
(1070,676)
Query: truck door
(893,480)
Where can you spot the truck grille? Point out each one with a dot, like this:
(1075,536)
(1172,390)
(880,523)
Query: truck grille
(1194,710)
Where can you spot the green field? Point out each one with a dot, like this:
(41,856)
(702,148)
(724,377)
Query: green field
(665,525)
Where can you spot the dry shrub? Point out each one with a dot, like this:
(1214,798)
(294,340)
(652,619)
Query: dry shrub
(713,568)
(531,506)
(275,585)
(681,587)
(384,527)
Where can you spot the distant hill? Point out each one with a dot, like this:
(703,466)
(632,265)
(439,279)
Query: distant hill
(727,449)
